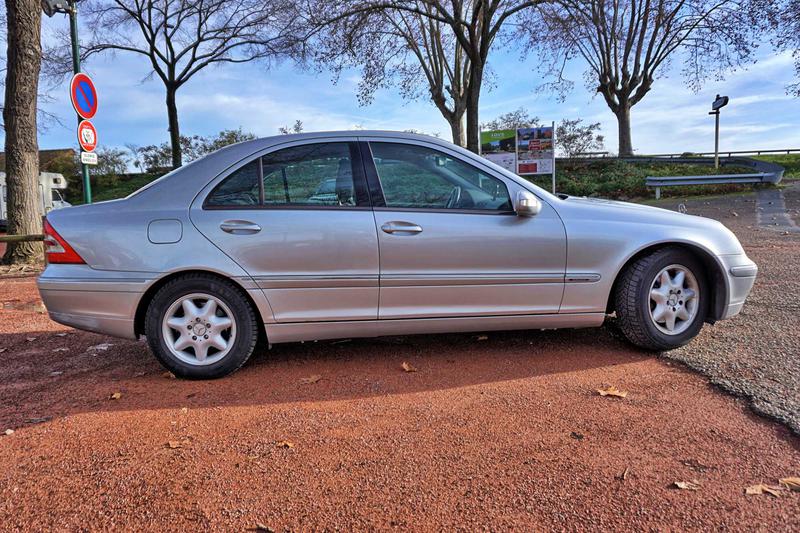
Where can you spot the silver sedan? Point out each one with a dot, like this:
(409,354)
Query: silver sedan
(361,234)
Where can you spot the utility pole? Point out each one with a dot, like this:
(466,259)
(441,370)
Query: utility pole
(716,105)
(70,7)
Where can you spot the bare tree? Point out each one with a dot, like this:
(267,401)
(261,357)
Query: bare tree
(627,45)
(24,21)
(441,45)
(179,38)
(573,138)
(297,127)
(785,21)
(519,118)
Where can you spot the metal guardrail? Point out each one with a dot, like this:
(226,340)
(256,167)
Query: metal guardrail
(716,179)
(729,153)
(22,238)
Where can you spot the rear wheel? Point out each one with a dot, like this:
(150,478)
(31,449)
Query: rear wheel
(662,299)
(201,327)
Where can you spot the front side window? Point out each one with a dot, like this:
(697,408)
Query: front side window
(307,175)
(422,178)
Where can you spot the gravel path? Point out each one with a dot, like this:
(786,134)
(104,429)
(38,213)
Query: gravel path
(756,355)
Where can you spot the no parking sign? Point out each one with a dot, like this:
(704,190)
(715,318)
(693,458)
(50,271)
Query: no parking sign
(83,95)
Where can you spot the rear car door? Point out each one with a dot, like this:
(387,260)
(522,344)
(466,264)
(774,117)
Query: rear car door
(298,220)
(450,242)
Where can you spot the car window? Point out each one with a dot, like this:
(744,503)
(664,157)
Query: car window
(237,190)
(310,174)
(419,177)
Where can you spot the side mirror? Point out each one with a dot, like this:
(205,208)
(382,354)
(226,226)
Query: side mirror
(527,204)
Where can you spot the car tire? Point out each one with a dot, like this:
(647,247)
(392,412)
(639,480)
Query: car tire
(648,303)
(194,338)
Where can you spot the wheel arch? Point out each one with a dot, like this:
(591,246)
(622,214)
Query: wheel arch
(147,297)
(714,272)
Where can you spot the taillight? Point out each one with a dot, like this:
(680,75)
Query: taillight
(57,250)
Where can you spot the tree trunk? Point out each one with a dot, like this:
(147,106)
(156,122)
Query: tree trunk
(174,128)
(624,126)
(473,120)
(473,101)
(19,115)
(457,129)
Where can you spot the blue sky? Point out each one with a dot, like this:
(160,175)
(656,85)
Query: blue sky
(671,118)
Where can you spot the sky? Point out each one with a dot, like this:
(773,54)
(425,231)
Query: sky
(671,118)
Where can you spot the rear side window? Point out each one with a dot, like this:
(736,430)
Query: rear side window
(313,175)
(237,190)
(309,175)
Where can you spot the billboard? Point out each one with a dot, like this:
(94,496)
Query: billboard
(535,151)
(499,147)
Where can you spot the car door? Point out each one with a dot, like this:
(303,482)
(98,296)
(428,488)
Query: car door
(450,242)
(298,220)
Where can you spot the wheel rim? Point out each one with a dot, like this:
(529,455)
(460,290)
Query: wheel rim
(674,299)
(199,329)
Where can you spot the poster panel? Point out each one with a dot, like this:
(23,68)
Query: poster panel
(498,146)
(535,151)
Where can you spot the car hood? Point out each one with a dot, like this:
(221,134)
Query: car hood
(660,224)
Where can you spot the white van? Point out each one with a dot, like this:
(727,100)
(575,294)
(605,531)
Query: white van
(50,186)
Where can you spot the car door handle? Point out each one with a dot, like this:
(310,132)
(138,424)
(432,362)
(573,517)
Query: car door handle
(239,227)
(401,228)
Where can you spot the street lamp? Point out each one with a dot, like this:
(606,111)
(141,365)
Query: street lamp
(716,105)
(70,7)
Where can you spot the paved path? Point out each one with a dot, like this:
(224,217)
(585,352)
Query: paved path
(771,211)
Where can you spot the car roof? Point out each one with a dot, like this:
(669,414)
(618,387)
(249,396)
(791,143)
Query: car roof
(180,186)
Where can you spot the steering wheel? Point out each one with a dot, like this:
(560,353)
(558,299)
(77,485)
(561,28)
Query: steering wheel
(455,198)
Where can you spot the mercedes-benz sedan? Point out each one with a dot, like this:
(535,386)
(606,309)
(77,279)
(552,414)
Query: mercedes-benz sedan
(410,234)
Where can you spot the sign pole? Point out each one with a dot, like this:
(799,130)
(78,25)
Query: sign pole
(554,156)
(716,139)
(76,67)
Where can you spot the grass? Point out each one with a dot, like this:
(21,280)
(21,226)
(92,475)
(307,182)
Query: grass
(626,180)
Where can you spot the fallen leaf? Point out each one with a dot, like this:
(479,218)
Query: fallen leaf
(61,334)
(56,373)
(116,396)
(310,379)
(9,432)
(762,489)
(168,375)
(687,485)
(285,444)
(61,350)
(791,483)
(624,475)
(262,528)
(173,444)
(184,410)
(102,347)
(407,367)
(483,337)
(30,339)
(576,435)
(3,350)
(612,391)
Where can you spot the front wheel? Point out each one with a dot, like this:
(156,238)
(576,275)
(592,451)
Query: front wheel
(201,327)
(662,299)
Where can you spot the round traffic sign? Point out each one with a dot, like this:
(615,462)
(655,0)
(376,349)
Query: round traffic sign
(87,136)
(83,95)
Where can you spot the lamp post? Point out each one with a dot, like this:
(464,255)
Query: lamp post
(716,105)
(70,7)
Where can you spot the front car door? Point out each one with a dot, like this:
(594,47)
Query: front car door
(450,242)
(298,220)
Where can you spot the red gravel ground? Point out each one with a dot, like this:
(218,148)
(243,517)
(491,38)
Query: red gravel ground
(502,433)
